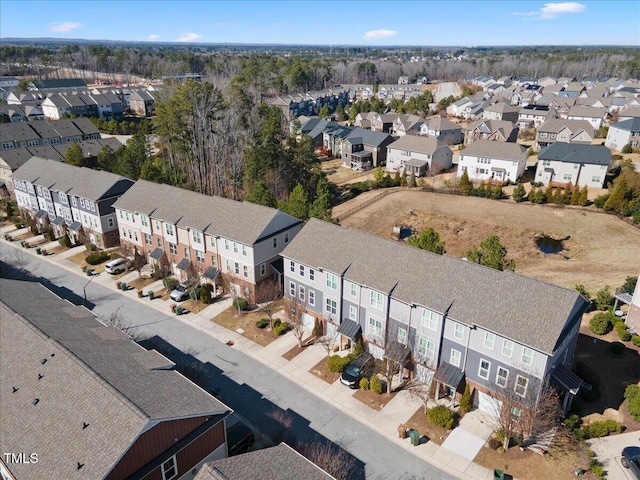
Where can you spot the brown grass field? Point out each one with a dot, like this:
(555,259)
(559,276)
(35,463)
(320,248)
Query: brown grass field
(602,249)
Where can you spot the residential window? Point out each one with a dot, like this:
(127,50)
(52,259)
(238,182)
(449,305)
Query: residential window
(144,220)
(75,204)
(245,271)
(375,326)
(458,332)
(263,269)
(214,261)
(244,250)
(235,247)
(301,292)
(502,376)
(455,358)
(596,179)
(507,348)
(353,313)
(426,348)
(483,371)
(302,270)
(212,242)
(312,297)
(292,267)
(354,290)
(429,319)
(169,469)
(375,299)
(93,207)
(286,237)
(521,386)
(516,413)
(197,236)
(135,234)
(489,340)
(199,256)
(187,254)
(173,248)
(236,268)
(312,274)
(159,241)
(275,242)
(527,356)
(110,222)
(332,281)
(82,202)
(227,245)
(292,289)
(331,307)
(169,228)
(402,336)
(228,265)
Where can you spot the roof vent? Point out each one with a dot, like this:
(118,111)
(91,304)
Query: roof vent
(15,389)
(80,465)
(43,361)
(36,401)
(84,425)
(53,355)
(40,376)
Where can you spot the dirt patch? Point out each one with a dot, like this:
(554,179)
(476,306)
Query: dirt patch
(601,249)
(565,456)
(321,371)
(295,351)
(230,319)
(373,400)
(141,282)
(194,306)
(419,422)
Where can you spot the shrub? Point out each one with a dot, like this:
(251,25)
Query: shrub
(205,293)
(572,422)
(95,258)
(317,329)
(50,234)
(632,391)
(240,303)
(466,402)
(262,323)
(634,408)
(598,429)
(364,383)
(617,348)
(336,363)
(494,443)
(601,323)
(90,246)
(281,329)
(623,333)
(170,283)
(635,339)
(65,241)
(358,349)
(627,148)
(441,416)
(597,470)
(375,385)
(604,299)
(276,322)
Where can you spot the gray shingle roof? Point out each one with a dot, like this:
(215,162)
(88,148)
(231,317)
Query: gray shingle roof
(80,181)
(368,137)
(93,374)
(441,123)
(417,143)
(518,305)
(631,125)
(501,150)
(576,153)
(280,462)
(554,125)
(241,221)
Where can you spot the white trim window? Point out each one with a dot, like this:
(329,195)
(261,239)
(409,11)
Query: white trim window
(527,356)
(353,313)
(301,293)
(458,331)
(312,274)
(426,348)
(354,290)
(263,269)
(507,348)
(312,297)
(197,236)
(376,299)
(244,250)
(169,469)
(301,270)
(402,336)
(332,281)
(489,340)
(331,306)
(429,319)
(521,385)
(455,357)
(275,242)
(483,370)
(199,256)
(292,289)
(375,326)
(502,376)
(292,267)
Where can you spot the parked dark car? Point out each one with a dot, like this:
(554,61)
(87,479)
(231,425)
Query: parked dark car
(356,370)
(631,460)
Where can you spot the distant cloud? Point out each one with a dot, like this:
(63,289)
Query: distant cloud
(382,33)
(553,10)
(154,38)
(188,37)
(63,27)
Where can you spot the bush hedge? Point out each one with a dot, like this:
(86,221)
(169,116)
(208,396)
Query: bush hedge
(598,429)
(376,385)
(623,333)
(364,383)
(466,402)
(602,323)
(170,283)
(95,258)
(632,393)
(635,339)
(281,328)
(262,323)
(336,363)
(441,416)
(240,303)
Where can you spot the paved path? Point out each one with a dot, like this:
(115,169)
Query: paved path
(609,449)
(256,392)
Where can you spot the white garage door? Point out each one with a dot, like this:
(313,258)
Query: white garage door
(308,321)
(487,404)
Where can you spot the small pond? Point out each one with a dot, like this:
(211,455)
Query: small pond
(548,244)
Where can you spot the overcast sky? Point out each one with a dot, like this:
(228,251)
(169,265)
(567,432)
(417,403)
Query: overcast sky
(420,23)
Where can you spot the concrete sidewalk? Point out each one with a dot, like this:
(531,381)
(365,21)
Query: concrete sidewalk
(386,421)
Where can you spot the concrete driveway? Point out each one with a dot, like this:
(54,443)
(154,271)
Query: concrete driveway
(608,450)
(468,438)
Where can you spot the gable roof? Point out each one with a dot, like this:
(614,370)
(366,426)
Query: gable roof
(630,125)
(269,463)
(244,222)
(60,83)
(90,374)
(442,283)
(589,112)
(498,150)
(441,123)
(416,143)
(368,137)
(79,181)
(576,153)
(554,125)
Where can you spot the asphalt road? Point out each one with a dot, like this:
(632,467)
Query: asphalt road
(266,399)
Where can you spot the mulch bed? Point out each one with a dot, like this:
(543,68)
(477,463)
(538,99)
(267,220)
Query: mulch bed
(373,400)
(321,371)
(419,422)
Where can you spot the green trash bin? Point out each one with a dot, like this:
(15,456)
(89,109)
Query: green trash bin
(123,286)
(179,310)
(39,251)
(89,272)
(150,294)
(498,474)
(414,435)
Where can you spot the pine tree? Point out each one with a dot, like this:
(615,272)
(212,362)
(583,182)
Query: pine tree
(584,197)
(548,194)
(428,240)
(261,195)
(298,203)
(566,194)
(519,193)
(557,196)
(491,253)
(106,159)
(464,184)
(617,201)
(575,195)
(321,206)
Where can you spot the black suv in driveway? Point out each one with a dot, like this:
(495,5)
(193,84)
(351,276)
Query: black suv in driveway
(631,460)
(356,370)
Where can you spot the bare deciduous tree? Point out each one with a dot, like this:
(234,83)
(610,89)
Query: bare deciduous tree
(328,341)
(420,391)
(116,320)
(277,423)
(272,293)
(329,457)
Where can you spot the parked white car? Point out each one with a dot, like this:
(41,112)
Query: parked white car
(116,266)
